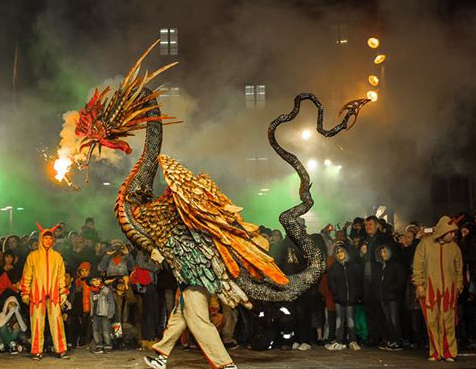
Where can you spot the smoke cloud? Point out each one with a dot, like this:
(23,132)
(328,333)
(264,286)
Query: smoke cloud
(421,125)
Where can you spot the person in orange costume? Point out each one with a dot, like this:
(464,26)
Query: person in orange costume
(43,288)
(438,278)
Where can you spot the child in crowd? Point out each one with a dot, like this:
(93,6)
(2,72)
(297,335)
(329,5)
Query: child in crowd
(389,283)
(102,311)
(12,322)
(81,307)
(345,282)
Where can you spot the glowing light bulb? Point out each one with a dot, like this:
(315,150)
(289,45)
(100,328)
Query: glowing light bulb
(373,80)
(372,95)
(379,59)
(306,134)
(311,164)
(373,42)
(327,162)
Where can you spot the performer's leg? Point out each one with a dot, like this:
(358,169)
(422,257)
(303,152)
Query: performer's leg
(56,326)
(198,320)
(231,317)
(37,319)
(431,319)
(449,344)
(175,327)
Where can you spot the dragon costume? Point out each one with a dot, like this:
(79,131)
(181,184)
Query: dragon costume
(192,225)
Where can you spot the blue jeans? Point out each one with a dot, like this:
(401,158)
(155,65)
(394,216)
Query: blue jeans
(391,311)
(102,331)
(345,315)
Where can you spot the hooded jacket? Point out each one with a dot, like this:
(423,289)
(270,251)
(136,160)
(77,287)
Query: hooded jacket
(82,289)
(44,274)
(389,278)
(6,315)
(345,280)
(439,267)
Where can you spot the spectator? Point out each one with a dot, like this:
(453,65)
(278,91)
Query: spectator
(12,323)
(13,243)
(102,311)
(144,279)
(81,307)
(117,262)
(373,239)
(345,283)
(33,244)
(89,232)
(389,282)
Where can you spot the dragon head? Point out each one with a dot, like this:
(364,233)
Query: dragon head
(106,122)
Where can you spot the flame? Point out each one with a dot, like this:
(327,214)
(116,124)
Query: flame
(62,166)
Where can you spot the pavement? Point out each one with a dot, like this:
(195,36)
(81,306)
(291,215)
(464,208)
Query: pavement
(318,358)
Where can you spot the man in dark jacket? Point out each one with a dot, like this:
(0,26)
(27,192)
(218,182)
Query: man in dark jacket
(371,242)
(345,282)
(389,284)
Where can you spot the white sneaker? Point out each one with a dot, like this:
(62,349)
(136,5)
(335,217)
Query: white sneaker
(354,346)
(158,362)
(304,347)
(329,345)
(336,347)
(295,346)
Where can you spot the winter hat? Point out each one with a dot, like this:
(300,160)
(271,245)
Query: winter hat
(84,265)
(95,274)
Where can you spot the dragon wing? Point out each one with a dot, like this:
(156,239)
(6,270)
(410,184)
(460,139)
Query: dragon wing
(205,210)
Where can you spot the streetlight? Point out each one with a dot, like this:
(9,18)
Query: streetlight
(373,42)
(372,95)
(306,134)
(373,80)
(311,165)
(379,58)
(10,217)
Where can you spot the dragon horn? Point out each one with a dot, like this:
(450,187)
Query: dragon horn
(126,79)
(52,229)
(158,71)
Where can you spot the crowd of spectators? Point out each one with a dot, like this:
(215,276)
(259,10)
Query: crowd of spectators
(120,299)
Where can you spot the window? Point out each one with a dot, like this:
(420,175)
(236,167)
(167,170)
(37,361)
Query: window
(168,92)
(340,33)
(255,96)
(169,41)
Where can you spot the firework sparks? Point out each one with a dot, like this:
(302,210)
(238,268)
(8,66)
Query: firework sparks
(62,167)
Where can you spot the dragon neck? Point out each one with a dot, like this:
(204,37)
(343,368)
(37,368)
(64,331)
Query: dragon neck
(137,188)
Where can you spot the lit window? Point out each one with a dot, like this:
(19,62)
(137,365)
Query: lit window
(168,92)
(169,41)
(340,33)
(255,96)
